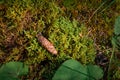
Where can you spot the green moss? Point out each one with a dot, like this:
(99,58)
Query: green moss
(69,3)
(22,19)
(65,35)
(25,18)
(117,74)
(117,5)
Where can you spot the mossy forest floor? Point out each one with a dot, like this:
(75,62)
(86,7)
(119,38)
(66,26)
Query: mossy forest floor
(79,29)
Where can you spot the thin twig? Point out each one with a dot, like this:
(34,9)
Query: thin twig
(110,62)
(96,10)
(108,6)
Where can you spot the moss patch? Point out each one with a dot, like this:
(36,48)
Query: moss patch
(64,23)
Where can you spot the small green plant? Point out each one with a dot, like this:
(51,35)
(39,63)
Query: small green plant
(116,37)
(73,70)
(13,70)
(116,45)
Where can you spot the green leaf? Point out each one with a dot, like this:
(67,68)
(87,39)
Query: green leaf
(12,70)
(94,71)
(73,70)
(116,41)
(117,26)
(116,37)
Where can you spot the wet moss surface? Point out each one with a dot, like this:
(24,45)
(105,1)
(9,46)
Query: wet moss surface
(78,29)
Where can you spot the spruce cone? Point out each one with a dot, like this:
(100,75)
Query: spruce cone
(46,44)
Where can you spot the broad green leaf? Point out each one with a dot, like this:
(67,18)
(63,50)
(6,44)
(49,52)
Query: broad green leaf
(73,70)
(95,71)
(12,70)
(117,26)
